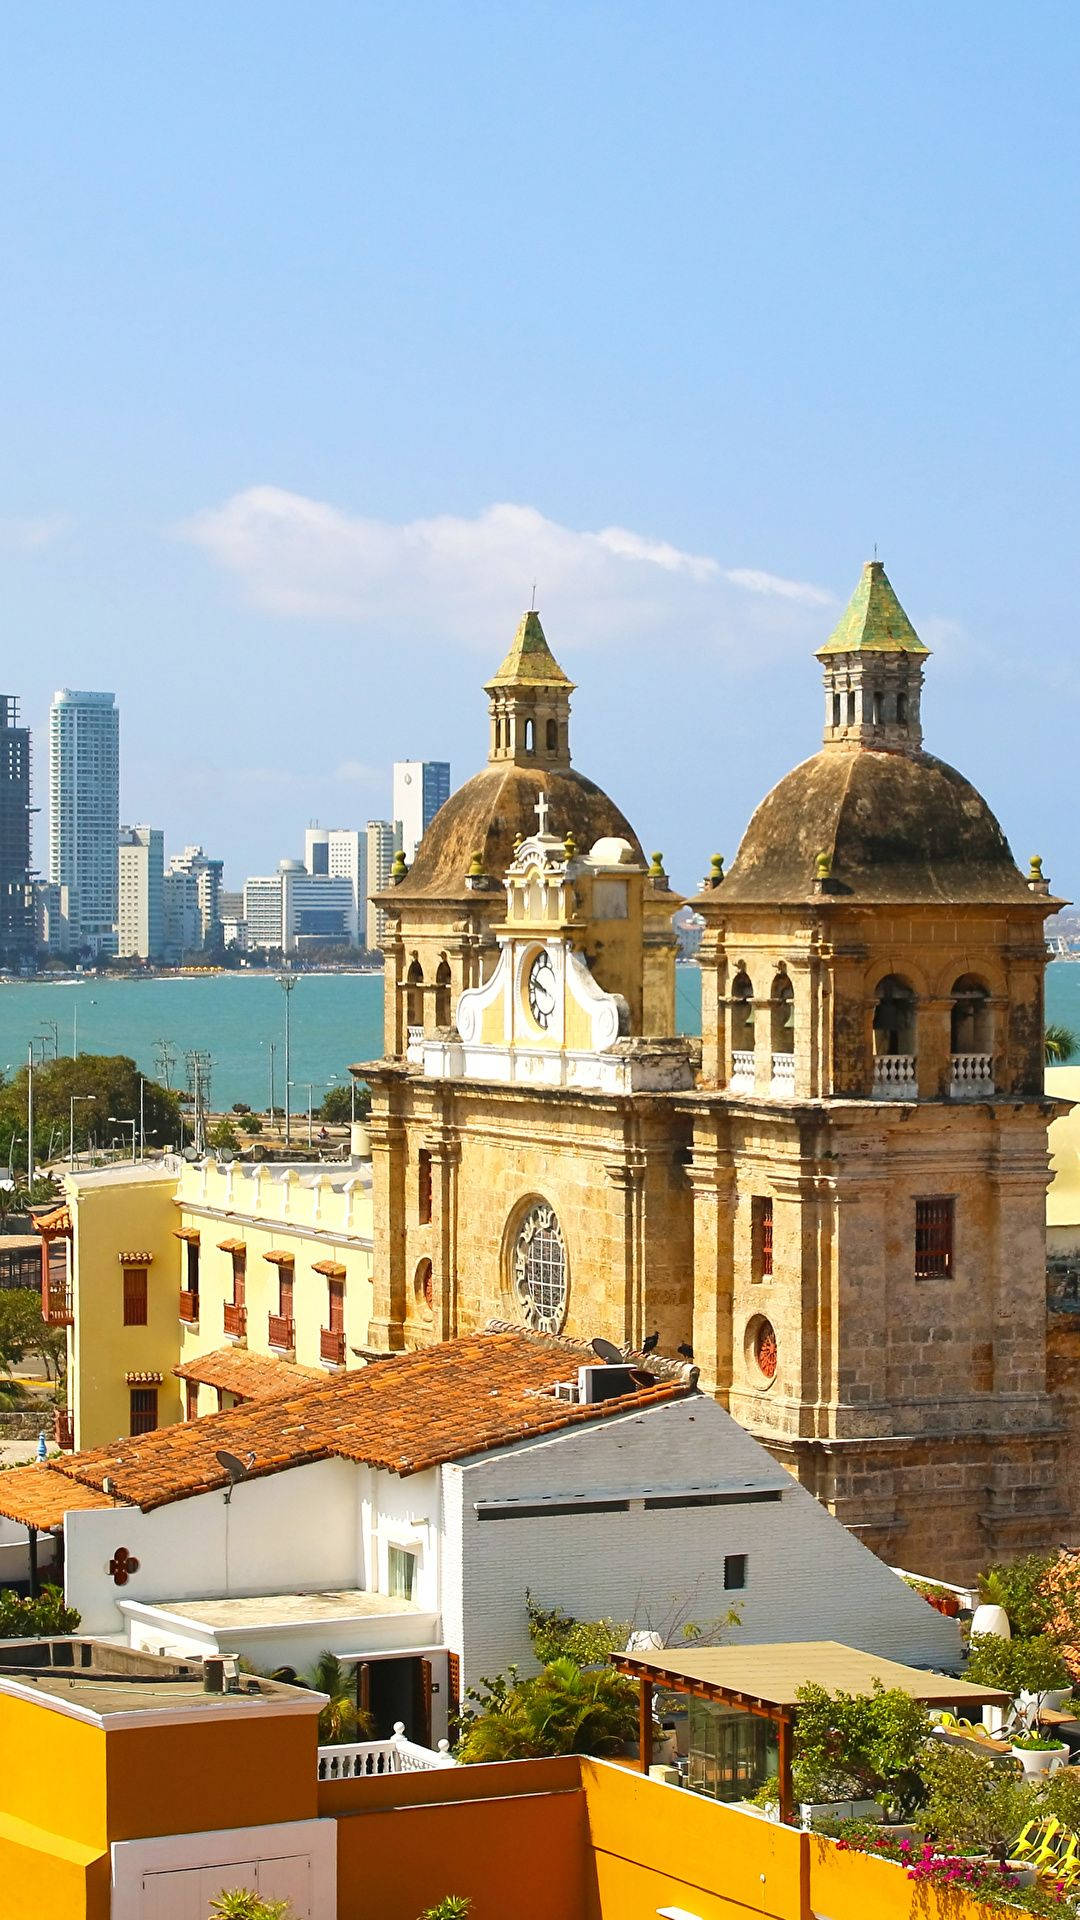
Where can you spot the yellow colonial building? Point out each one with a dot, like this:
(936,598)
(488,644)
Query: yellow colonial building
(835,1203)
(182,1284)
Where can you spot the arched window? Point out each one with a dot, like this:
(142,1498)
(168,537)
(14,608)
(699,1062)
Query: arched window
(894,1017)
(783,1015)
(442,993)
(414,995)
(742,1014)
(553,736)
(424,1285)
(970,1022)
(529,737)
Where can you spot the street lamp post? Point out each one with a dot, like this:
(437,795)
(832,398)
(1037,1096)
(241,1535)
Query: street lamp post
(30,1118)
(287,981)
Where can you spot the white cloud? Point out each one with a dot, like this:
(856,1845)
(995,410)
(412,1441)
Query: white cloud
(465,580)
(26,533)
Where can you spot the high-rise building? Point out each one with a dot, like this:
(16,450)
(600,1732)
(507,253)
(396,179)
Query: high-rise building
(380,859)
(84,810)
(208,874)
(420,788)
(141,918)
(340,853)
(295,908)
(55,912)
(16,905)
(263,911)
(182,921)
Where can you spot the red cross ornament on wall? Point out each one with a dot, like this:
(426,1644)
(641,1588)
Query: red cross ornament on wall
(122,1565)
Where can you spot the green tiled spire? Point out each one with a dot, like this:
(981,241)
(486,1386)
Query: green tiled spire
(874,621)
(530,661)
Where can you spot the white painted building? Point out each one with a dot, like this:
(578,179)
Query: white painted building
(399,1513)
(421,787)
(380,859)
(263,911)
(181,915)
(84,810)
(141,910)
(207,874)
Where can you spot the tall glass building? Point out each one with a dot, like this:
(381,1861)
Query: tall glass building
(16,911)
(84,811)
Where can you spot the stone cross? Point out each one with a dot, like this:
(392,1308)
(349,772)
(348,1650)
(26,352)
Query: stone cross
(541,810)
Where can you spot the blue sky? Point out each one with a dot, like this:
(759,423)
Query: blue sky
(326,330)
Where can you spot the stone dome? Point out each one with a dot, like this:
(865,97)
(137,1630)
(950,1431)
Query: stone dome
(488,813)
(896,826)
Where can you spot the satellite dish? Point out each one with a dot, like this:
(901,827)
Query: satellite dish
(226,1155)
(191,1153)
(608,1353)
(235,1468)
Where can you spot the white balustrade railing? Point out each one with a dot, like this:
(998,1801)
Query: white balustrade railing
(742,1068)
(783,1072)
(972,1076)
(365,1759)
(414,1043)
(894,1076)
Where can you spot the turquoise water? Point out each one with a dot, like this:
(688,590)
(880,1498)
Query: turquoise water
(335,1018)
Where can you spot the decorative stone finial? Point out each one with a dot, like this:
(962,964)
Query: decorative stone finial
(476,866)
(656,867)
(716,870)
(569,846)
(399,870)
(1036,878)
(519,841)
(822,866)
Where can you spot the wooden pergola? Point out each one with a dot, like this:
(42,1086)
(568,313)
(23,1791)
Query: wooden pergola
(764,1680)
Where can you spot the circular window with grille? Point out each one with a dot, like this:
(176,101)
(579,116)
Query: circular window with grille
(760,1350)
(539,1269)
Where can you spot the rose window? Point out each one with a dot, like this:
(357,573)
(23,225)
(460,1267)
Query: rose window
(765,1349)
(539,1267)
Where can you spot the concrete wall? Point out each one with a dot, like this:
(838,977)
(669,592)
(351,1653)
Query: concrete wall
(293,1532)
(808,1579)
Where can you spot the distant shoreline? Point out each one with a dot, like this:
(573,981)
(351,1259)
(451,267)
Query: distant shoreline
(176,973)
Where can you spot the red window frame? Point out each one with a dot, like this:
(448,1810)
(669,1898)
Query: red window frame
(935,1225)
(135,1296)
(761,1228)
(239,1278)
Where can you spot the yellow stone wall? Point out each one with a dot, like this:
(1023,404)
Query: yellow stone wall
(114,1213)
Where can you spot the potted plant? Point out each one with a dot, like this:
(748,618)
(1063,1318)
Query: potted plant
(1038,1752)
(858,1753)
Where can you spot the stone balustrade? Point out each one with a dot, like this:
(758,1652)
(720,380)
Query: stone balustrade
(742,1070)
(972,1076)
(783,1073)
(895,1077)
(365,1759)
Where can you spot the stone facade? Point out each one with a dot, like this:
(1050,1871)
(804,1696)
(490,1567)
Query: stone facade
(839,1206)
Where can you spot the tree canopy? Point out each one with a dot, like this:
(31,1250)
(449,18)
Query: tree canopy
(107,1090)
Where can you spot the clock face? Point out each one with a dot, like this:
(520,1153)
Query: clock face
(542,990)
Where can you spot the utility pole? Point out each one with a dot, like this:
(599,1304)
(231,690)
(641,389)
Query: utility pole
(30,1118)
(142,1118)
(287,981)
(165,1060)
(272,1044)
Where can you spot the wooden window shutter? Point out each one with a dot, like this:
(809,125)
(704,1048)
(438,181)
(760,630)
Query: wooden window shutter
(453,1683)
(425,1699)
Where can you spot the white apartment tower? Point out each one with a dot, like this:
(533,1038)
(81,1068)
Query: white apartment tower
(141,918)
(380,859)
(207,874)
(84,811)
(420,789)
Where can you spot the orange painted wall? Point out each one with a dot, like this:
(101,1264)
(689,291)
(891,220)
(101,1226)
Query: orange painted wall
(41,1750)
(226,1773)
(47,1880)
(656,1846)
(524,1858)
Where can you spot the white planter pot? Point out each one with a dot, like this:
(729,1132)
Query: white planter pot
(1024,1875)
(993,1620)
(1050,1698)
(1040,1759)
(810,1810)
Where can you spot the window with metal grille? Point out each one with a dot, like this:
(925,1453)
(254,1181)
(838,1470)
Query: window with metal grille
(134,1296)
(934,1239)
(143,1409)
(761,1234)
(424,1186)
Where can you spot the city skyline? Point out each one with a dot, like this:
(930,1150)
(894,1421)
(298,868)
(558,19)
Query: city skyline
(295,425)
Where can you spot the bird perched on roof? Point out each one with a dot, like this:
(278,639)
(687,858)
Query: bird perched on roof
(651,1342)
(686,1350)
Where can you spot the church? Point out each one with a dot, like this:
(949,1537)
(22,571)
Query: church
(834,1202)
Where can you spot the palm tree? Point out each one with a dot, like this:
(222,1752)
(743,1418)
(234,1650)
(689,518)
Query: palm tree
(341,1720)
(1060,1043)
(562,1710)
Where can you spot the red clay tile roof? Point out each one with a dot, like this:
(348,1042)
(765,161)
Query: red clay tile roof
(405,1413)
(253,1376)
(39,1497)
(57,1220)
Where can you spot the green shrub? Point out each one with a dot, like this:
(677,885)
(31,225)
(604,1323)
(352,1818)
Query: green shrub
(239,1903)
(560,1710)
(972,1803)
(1020,1589)
(454,1907)
(556,1635)
(26,1619)
(1034,1665)
(859,1747)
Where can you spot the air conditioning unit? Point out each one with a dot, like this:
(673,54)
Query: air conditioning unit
(604,1383)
